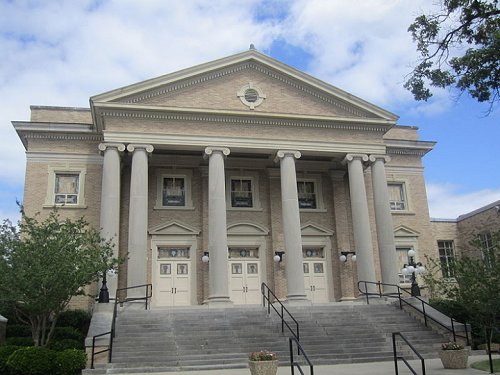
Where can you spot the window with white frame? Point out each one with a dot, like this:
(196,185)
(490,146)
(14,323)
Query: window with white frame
(66,187)
(446,258)
(173,189)
(307,194)
(241,192)
(397,196)
(402,255)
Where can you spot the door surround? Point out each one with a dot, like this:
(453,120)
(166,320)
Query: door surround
(175,234)
(251,235)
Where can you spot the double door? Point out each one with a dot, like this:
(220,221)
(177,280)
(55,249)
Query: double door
(315,280)
(244,281)
(173,279)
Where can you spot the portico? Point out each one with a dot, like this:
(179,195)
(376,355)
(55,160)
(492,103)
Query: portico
(219,272)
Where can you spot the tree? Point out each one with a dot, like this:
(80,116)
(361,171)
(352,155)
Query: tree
(476,284)
(460,45)
(43,264)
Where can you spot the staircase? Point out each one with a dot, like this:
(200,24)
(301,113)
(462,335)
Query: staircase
(199,337)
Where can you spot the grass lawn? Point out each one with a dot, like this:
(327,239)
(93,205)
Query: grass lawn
(485,365)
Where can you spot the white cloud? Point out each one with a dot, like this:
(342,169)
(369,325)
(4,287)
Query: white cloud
(360,46)
(446,201)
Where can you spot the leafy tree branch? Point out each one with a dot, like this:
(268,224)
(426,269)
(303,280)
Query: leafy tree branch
(458,46)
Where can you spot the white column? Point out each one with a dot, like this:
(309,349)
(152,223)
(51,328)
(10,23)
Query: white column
(138,218)
(360,218)
(110,201)
(291,225)
(383,217)
(217,235)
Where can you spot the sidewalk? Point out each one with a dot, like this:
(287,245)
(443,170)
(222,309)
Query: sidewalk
(432,367)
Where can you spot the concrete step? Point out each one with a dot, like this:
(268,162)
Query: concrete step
(200,338)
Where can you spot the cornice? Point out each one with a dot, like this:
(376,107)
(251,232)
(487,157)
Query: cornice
(25,136)
(405,147)
(50,130)
(21,126)
(118,110)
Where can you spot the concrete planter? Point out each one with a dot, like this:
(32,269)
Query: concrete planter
(263,367)
(454,358)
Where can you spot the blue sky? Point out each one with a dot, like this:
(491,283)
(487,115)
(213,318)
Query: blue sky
(60,53)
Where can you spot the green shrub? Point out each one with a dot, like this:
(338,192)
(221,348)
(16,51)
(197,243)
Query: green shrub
(67,333)
(78,319)
(60,345)
(5,352)
(19,341)
(18,330)
(71,361)
(35,360)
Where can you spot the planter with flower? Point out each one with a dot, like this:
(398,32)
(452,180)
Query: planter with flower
(263,363)
(453,355)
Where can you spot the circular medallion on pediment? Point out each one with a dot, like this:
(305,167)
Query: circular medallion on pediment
(251,95)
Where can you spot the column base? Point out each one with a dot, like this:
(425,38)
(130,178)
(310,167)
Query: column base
(219,301)
(348,299)
(300,300)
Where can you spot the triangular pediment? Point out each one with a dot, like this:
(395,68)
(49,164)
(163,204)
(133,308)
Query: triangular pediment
(246,229)
(311,229)
(404,231)
(173,228)
(214,86)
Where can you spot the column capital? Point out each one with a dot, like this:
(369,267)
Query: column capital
(350,157)
(133,146)
(282,153)
(118,146)
(210,150)
(384,158)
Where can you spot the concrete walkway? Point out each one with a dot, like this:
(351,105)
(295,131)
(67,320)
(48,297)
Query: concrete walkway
(432,367)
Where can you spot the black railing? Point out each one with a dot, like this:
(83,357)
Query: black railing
(398,295)
(266,296)
(121,301)
(300,351)
(396,357)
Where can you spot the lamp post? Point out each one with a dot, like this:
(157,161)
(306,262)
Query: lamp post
(104,293)
(414,269)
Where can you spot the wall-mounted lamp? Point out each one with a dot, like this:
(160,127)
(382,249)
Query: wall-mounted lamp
(205,257)
(345,254)
(278,256)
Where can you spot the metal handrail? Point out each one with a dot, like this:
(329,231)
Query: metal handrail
(402,300)
(396,357)
(294,364)
(284,323)
(149,294)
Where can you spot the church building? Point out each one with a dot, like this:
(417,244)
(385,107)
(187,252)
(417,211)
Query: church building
(219,177)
